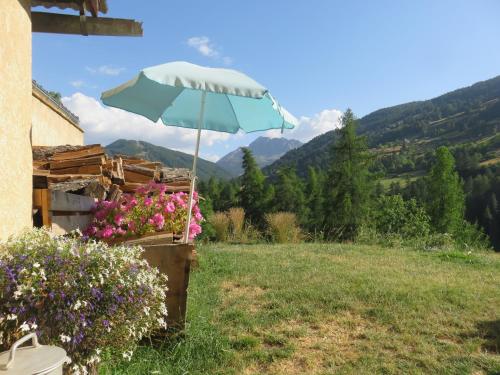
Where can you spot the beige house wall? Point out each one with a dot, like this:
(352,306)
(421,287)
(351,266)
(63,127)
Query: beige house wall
(51,126)
(16,165)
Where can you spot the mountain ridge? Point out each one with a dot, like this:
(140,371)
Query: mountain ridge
(264,149)
(170,158)
(465,115)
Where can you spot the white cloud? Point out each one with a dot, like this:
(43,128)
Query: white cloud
(108,70)
(310,127)
(207,48)
(78,83)
(105,125)
(203,45)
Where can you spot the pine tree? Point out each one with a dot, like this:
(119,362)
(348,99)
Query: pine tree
(348,186)
(446,199)
(213,191)
(315,200)
(253,196)
(289,191)
(228,196)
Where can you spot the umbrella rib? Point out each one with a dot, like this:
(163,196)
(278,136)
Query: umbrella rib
(234,112)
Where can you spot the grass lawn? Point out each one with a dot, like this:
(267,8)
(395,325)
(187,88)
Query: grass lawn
(330,308)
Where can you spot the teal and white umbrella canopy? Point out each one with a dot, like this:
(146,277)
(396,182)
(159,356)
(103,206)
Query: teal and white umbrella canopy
(191,96)
(173,93)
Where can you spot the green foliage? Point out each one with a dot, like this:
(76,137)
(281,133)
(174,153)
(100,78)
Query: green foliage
(348,186)
(394,215)
(446,200)
(315,200)
(254,195)
(207,229)
(289,192)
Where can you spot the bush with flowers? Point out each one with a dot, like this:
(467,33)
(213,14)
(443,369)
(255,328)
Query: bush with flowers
(83,296)
(150,209)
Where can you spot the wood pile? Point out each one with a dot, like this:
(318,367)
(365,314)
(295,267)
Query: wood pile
(87,170)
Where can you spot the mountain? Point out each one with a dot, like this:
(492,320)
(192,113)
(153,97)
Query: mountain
(265,150)
(169,158)
(469,117)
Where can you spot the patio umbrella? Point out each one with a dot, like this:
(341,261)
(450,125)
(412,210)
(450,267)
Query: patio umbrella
(191,96)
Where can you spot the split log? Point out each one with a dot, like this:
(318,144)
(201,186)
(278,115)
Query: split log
(95,150)
(95,190)
(45,152)
(86,169)
(152,173)
(72,185)
(99,160)
(114,193)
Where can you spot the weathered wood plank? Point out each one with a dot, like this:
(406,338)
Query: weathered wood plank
(67,223)
(67,24)
(61,201)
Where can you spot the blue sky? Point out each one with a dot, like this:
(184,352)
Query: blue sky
(316,57)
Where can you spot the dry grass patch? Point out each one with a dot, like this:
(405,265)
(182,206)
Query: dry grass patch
(235,293)
(331,342)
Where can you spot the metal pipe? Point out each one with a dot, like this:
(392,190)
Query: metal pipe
(193,173)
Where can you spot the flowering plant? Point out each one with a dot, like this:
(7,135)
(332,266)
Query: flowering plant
(150,209)
(83,296)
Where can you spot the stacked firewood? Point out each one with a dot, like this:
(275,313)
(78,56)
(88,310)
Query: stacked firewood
(87,170)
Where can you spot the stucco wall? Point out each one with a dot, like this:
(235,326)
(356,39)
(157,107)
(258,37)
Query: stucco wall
(50,125)
(16,163)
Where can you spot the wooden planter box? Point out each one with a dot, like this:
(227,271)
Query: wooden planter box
(173,260)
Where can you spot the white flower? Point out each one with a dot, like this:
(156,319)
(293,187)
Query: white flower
(17,294)
(77,305)
(24,327)
(127,355)
(11,317)
(36,265)
(64,338)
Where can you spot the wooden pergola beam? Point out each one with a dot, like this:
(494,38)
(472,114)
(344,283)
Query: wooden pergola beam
(42,22)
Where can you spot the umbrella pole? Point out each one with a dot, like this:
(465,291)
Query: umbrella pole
(193,173)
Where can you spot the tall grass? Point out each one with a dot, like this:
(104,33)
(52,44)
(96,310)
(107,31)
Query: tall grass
(283,227)
(236,217)
(220,222)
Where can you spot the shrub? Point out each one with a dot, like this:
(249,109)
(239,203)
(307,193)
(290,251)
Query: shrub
(149,210)
(83,296)
(470,237)
(399,218)
(283,228)
(220,222)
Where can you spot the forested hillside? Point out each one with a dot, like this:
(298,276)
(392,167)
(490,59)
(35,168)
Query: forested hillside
(403,138)
(468,116)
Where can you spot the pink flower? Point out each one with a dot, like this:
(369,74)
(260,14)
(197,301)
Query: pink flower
(194,230)
(100,215)
(118,219)
(107,232)
(198,216)
(148,201)
(131,226)
(158,220)
(169,207)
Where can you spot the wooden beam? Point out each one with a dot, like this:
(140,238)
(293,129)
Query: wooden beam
(42,22)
